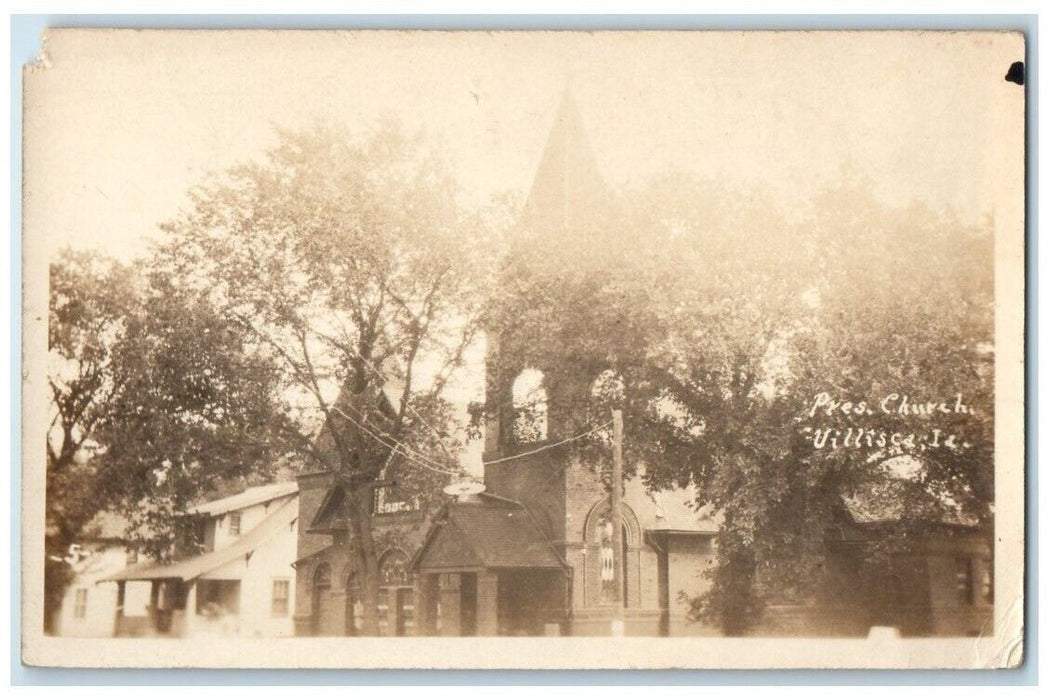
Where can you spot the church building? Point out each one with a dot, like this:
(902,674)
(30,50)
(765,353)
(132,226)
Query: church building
(531,551)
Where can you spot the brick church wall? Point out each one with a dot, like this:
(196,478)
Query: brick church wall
(537,482)
(312,489)
(405,531)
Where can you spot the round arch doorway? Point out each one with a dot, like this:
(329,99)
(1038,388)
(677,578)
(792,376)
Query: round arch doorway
(396,598)
(322,603)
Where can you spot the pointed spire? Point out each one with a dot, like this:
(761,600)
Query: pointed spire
(567,185)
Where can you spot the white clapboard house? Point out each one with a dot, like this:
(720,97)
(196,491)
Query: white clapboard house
(240,583)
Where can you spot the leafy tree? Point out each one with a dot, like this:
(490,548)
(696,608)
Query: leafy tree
(347,261)
(859,301)
(155,403)
(198,412)
(90,299)
(726,318)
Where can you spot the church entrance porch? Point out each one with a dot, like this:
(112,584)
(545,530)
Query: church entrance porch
(491,602)
(531,603)
(487,569)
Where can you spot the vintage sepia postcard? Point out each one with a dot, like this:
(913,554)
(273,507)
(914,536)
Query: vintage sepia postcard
(683,349)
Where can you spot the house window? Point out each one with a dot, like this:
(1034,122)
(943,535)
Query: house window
(279,604)
(963,577)
(132,556)
(234,523)
(80,604)
(986,581)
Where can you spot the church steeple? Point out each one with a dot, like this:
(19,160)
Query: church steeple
(567,188)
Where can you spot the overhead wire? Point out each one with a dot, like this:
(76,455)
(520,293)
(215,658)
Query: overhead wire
(398,446)
(386,434)
(423,461)
(382,378)
(551,446)
(553,469)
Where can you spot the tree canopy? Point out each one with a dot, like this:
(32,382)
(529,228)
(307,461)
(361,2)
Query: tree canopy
(746,337)
(346,261)
(314,305)
(155,404)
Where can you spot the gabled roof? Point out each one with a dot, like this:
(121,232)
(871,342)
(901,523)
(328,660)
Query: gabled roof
(194,567)
(894,491)
(670,510)
(896,500)
(567,185)
(246,498)
(314,553)
(351,407)
(486,532)
(675,512)
(331,514)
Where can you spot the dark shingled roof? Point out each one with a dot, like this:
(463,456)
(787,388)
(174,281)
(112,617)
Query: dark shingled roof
(489,532)
(246,498)
(331,513)
(189,569)
(894,500)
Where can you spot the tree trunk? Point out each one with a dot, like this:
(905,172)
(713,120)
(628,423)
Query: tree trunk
(58,576)
(738,607)
(367,559)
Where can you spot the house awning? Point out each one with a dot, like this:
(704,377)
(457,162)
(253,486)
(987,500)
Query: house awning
(486,532)
(194,567)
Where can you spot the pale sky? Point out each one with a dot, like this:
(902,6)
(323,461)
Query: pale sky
(121,123)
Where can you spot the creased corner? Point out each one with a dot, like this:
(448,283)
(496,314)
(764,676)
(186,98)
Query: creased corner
(1005,650)
(43,59)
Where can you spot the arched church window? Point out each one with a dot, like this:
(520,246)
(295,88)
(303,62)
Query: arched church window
(609,570)
(322,576)
(393,571)
(321,598)
(612,570)
(354,605)
(530,407)
(396,595)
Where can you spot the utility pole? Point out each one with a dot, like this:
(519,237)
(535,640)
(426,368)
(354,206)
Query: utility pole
(616,509)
